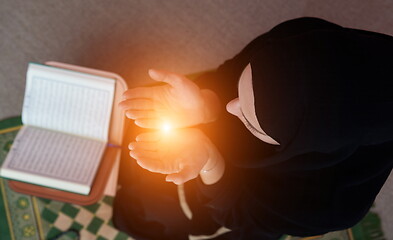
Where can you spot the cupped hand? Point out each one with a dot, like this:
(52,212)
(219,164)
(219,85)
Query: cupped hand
(180,153)
(179,102)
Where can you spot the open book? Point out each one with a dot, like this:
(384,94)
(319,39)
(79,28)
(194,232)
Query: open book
(66,116)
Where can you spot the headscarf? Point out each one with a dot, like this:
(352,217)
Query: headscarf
(326,91)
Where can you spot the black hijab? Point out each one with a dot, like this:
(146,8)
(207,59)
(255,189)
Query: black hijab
(324,90)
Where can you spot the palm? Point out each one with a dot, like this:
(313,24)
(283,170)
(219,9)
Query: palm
(181,152)
(182,106)
(178,102)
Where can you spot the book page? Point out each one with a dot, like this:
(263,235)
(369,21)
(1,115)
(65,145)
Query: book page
(54,155)
(68,101)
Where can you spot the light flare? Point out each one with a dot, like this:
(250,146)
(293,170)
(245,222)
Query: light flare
(166,127)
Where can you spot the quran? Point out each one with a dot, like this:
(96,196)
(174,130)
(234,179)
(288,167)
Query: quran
(66,119)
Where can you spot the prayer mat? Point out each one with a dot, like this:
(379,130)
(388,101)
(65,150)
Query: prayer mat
(24,217)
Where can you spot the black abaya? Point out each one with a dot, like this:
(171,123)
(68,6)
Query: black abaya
(313,81)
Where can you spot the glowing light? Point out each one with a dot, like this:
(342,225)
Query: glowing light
(166,127)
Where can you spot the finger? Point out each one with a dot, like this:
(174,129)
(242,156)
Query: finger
(139,92)
(183,176)
(149,123)
(147,146)
(137,114)
(140,154)
(150,164)
(149,137)
(172,79)
(140,104)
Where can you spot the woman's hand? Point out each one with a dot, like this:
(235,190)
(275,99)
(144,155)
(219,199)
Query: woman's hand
(180,153)
(179,102)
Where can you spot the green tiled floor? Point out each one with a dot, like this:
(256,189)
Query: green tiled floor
(93,222)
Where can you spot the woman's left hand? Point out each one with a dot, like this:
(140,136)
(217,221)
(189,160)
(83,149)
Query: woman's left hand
(180,153)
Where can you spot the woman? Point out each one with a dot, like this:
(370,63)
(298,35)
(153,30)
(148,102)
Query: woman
(317,101)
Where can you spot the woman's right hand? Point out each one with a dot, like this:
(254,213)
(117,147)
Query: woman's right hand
(182,154)
(179,102)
